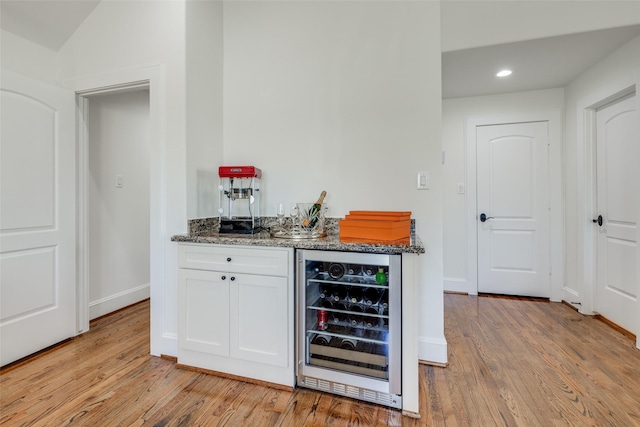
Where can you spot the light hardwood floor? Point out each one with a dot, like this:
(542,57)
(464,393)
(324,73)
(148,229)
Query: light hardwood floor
(511,363)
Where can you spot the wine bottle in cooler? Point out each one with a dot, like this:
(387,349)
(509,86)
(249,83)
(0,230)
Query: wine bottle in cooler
(385,320)
(384,299)
(371,296)
(326,304)
(356,294)
(381,276)
(324,291)
(371,321)
(354,269)
(348,344)
(336,270)
(369,270)
(339,316)
(364,347)
(339,292)
(320,340)
(356,317)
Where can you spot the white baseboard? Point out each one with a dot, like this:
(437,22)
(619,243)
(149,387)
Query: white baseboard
(117,301)
(168,346)
(432,350)
(459,285)
(571,297)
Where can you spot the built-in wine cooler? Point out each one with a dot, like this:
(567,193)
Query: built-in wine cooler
(349,331)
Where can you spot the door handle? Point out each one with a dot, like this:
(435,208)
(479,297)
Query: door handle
(484,217)
(598,220)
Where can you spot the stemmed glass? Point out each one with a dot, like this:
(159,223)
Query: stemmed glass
(280,215)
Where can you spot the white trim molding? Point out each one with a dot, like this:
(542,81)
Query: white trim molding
(432,351)
(153,78)
(117,301)
(456,284)
(586,180)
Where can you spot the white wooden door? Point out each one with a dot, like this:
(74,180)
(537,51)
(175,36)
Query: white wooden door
(512,193)
(37,216)
(617,172)
(260,319)
(203,310)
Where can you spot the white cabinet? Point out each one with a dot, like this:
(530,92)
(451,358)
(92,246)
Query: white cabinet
(258,319)
(235,311)
(203,311)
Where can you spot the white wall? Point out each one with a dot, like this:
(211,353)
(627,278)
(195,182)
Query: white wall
(204,105)
(118,216)
(342,97)
(473,23)
(27,58)
(623,64)
(455,112)
(131,37)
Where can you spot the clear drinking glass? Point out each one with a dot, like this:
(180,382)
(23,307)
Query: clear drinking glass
(294,215)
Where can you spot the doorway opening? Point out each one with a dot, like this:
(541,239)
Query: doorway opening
(148,79)
(118,200)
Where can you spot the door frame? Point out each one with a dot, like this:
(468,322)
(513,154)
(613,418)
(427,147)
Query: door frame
(587,189)
(151,77)
(556,229)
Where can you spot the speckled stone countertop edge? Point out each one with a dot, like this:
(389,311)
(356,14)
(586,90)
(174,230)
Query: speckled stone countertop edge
(204,231)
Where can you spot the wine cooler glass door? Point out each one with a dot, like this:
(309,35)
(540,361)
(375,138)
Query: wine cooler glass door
(350,315)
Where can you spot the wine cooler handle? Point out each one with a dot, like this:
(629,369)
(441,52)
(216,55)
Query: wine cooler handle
(233,278)
(229,259)
(224,277)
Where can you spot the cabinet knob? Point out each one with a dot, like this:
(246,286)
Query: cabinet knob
(233,278)
(228,259)
(224,277)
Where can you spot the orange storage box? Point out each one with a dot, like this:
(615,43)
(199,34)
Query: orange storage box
(376,225)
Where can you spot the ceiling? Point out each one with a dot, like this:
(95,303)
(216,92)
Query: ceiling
(538,64)
(48,23)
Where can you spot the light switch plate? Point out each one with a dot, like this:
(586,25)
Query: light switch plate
(423,180)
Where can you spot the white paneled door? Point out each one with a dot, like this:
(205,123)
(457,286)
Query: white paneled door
(617,172)
(37,216)
(513,209)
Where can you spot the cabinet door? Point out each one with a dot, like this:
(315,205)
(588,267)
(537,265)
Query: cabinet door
(203,311)
(260,320)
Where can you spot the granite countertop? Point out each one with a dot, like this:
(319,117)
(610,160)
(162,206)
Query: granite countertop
(205,231)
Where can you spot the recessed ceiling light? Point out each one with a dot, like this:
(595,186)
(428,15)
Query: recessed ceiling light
(504,73)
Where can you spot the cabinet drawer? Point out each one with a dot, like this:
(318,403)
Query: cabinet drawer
(234,259)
